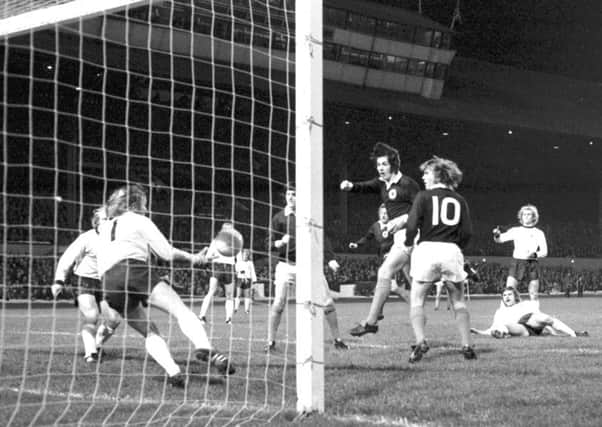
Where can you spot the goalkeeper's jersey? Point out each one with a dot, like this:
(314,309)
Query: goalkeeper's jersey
(130,236)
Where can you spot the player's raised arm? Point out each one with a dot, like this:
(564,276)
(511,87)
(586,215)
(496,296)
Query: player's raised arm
(66,262)
(161,247)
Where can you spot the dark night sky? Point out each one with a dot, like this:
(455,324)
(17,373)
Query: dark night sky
(553,36)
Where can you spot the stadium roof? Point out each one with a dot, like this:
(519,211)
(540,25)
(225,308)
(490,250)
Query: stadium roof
(390,13)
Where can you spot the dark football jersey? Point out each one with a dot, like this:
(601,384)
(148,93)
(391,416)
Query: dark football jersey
(285,224)
(383,239)
(398,197)
(441,215)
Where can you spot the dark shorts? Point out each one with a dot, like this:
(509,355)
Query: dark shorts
(524,268)
(88,286)
(532,330)
(224,273)
(243,283)
(129,283)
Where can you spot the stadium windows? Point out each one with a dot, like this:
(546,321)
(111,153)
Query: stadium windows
(279,41)
(335,17)
(358,57)
(430,70)
(376,60)
(261,37)
(344,54)
(361,23)
(436,39)
(440,71)
(446,41)
(423,36)
(387,29)
(222,29)
(395,64)
(416,67)
(202,24)
(405,33)
(242,33)
(331,51)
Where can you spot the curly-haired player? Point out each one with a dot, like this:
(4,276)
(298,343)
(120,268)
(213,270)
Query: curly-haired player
(529,245)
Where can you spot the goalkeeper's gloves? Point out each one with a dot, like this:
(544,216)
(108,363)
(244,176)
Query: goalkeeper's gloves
(57,288)
(497,232)
(334,265)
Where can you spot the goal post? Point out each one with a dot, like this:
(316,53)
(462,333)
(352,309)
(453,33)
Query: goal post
(31,16)
(193,99)
(310,212)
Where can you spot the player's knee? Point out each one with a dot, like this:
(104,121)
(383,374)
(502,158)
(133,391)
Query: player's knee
(113,324)
(459,305)
(153,329)
(90,316)
(278,306)
(329,307)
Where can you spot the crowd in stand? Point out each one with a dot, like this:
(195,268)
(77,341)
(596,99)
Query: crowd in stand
(30,278)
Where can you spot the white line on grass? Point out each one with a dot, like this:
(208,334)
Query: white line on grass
(363,419)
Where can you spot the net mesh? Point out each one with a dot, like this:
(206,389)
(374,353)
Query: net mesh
(193,100)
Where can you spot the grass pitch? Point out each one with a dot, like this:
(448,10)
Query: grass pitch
(538,381)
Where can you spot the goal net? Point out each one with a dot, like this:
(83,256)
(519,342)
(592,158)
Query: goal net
(195,101)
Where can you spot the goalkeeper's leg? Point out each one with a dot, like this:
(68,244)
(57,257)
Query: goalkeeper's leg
(138,319)
(165,298)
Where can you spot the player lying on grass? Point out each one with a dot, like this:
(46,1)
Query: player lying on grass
(80,258)
(523,319)
(128,243)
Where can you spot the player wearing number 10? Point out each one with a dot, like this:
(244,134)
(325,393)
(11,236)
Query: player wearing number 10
(441,216)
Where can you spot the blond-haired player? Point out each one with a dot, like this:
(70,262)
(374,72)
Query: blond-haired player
(529,245)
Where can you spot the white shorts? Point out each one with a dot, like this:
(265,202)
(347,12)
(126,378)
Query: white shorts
(286,275)
(434,261)
(399,238)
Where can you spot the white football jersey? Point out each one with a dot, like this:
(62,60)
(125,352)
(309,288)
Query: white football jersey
(246,270)
(130,236)
(511,315)
(81,256)
(527,240)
